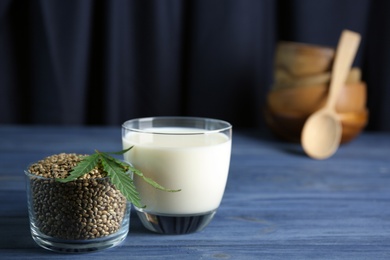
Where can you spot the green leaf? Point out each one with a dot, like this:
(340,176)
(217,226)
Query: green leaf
(118,172)
(121,180)
(83,167)
(124,165)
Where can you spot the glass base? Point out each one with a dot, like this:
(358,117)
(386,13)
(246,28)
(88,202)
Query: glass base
(80,246)
(175,224)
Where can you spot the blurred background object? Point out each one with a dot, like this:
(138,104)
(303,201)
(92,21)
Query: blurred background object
(302,75)
(85,62)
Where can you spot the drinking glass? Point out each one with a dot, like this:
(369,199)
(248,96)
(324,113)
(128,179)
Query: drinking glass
(186,153)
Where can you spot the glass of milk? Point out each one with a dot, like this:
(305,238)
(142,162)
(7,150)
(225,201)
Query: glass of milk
(187,153)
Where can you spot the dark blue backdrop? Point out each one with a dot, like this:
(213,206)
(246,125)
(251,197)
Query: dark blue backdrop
(102,62)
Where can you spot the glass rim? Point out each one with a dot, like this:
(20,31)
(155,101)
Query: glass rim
(197,131)
(32,175)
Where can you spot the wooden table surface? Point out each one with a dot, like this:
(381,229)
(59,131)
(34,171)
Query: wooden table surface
(278,203)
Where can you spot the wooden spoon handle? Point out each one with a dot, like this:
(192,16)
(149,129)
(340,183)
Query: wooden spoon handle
(345,54)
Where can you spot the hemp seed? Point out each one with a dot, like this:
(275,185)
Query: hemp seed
(72,210)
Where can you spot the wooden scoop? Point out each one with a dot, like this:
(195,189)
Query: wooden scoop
(322,131)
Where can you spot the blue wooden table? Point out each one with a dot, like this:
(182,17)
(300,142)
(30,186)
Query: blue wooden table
(278,204)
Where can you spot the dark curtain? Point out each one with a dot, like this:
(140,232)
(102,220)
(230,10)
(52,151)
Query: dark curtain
(84,62)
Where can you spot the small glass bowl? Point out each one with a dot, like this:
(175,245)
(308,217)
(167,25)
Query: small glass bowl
(78,216)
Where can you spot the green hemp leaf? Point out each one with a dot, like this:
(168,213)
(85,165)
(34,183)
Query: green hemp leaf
(118,171)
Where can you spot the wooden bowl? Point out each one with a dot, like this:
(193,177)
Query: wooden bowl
(305,100)
(288,126)
(301,59)
(283,79)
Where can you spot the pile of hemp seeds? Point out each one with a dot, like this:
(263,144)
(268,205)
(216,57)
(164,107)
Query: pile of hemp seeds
(86,208)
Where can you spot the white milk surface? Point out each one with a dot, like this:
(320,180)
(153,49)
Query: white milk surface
(196,164)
